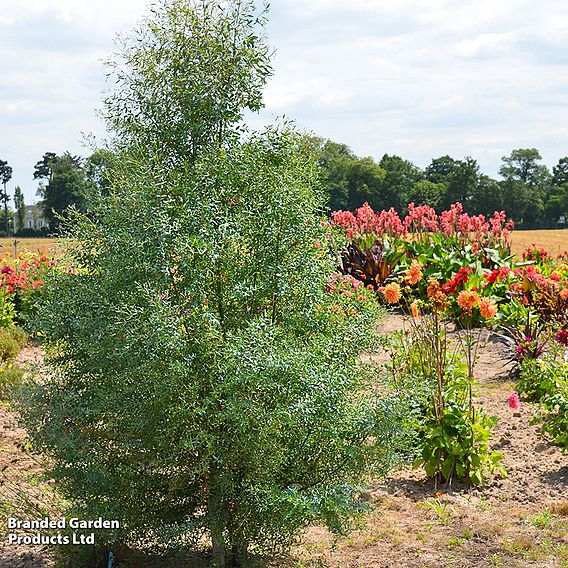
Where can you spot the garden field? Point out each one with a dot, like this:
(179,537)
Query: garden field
(520,521)
(440,384)
(555,241)
(15,245)
(455,397)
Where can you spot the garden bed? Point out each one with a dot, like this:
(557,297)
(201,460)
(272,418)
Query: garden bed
(518,521)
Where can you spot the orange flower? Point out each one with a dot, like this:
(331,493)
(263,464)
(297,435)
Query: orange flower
(414,273)
(414,310)
(564,294)
(433,288)
(467,300)
(439,301)
(392,293)
(487,308)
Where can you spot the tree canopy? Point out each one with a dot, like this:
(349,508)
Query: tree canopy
(65,185)
(527,191)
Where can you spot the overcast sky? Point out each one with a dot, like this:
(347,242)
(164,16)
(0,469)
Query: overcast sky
(417,78)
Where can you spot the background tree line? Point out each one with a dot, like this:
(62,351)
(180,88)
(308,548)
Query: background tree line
(64,182)
(528,192)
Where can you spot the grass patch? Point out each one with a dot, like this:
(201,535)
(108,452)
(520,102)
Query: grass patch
(560,509)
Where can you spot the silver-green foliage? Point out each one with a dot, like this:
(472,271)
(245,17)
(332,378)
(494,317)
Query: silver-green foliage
(203,381)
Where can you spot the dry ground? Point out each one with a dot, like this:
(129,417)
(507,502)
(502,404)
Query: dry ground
(16,245)
(555,240)
(23,492)
(520,521)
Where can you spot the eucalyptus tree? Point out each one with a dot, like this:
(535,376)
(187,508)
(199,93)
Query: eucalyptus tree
(205,383)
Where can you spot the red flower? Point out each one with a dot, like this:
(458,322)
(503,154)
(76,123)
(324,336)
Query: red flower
(562,337)
(451,286)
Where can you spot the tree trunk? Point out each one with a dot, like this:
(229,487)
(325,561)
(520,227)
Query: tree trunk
(216,528)
(237,557)
(227,548)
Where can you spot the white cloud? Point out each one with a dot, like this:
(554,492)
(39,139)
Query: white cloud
(419,78)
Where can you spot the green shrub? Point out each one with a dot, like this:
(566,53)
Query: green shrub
(7,312)
(10,378)
(554,414)
(204,381)
(12,339)
(538,378)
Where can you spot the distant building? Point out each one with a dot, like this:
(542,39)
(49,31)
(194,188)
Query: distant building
(34,219)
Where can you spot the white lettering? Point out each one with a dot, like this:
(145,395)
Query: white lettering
(99,523)
(83,539)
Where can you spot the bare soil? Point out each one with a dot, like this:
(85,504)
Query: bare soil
(23,491)
(520,521)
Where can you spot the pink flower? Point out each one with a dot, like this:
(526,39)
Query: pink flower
(514,402)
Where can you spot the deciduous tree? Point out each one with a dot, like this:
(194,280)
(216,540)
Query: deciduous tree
(65,185)
(5,177)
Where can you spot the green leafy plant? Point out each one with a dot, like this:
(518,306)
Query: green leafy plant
(453,434)
(455,444)
(545,380)
(539,377)
(554,416)
(442,509)
(7,311)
